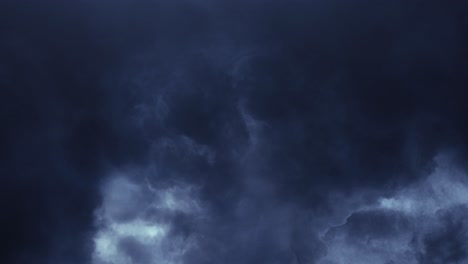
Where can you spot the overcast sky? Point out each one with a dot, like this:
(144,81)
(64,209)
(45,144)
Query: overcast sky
(233,132)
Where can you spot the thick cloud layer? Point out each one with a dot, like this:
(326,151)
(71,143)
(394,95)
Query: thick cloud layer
(233,131)
(421,223)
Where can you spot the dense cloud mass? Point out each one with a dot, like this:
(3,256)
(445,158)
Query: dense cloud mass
(202,131)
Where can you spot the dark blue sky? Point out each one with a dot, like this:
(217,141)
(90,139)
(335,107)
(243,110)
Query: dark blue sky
(203,131)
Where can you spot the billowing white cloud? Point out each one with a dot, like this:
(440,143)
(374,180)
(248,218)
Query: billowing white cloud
(134,222)
(447,186)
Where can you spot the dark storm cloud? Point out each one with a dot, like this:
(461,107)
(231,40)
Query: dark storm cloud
(229,132)
(447,242)
(420,223)
(58,126)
